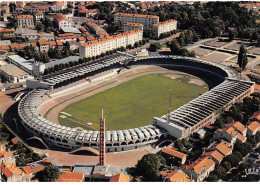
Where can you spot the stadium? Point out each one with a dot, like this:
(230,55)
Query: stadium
(180,123)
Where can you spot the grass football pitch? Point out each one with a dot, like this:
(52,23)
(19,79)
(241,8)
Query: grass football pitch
(131,104)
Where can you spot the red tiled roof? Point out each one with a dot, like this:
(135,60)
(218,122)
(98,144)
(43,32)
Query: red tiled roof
(59,17)
(70,177)
(241,137)
(256,115)
(24,17)
(164,22)
(38,12)
(208,126)
(237,125)
(218,156)
(15,140)
(178,176)
(254,125)
(36,7)
(199,164)
(43,42)
(81,38)
(173,153)
(133,24)
(59,42)
(5,154)
(57,3)
(6,30)
(119,178)
(224,148)
(137,15)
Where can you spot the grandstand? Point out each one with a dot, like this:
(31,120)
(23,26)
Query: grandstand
(184,121)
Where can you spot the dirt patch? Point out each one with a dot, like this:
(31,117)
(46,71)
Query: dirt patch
(217,43)
(173,76)
(196,82)
(201,51)
(216,57)
(255,51)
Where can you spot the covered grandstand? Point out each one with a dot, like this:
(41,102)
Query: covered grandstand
(184,121)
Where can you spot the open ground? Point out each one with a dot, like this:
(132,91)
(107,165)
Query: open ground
(131,104)
(52,107)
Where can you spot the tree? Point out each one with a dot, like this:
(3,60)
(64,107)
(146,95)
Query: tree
(221,172)
(40,27)
(252,141)
(178,144)
(154,47)
(232,159)
(48,174)
(242,167)
(13,22)
(227,166)
(239,155)
(148,166)
(232,34)
(175,47)
(254,36)
(212,178)
(242,57)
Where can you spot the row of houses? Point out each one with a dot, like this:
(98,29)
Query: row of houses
(100,32)
(55,6)
(212,155)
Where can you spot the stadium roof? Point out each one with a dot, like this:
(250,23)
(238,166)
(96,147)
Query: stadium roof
(61,61)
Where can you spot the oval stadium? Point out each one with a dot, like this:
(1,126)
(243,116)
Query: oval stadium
(228,88)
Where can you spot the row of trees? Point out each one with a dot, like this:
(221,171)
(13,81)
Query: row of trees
(151,34)
(239,111)
(55,53)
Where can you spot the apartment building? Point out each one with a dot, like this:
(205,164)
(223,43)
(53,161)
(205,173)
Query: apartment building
(38,15)
(132,26)
(25,21)
(61,21)
(146,20)
(96,47)
(165,26)
(7,33)
(33,9)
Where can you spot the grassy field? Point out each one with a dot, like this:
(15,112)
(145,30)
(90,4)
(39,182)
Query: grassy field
(131,104)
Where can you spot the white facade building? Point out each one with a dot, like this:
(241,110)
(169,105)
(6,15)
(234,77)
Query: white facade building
(164,27)
(61,21)
(146,20)
(25,21)
(132,26)
(96,47)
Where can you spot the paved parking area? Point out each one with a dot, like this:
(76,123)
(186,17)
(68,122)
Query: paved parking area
(126,159)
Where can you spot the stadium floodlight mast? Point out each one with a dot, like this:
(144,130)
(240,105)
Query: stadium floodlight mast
(170,104)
